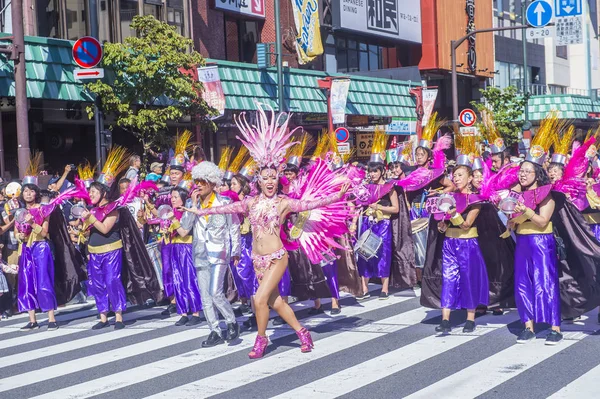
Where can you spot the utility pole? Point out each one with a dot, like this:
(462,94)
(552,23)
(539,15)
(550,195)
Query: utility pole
(525,71)
(279,59)
(18,56)
(98,116)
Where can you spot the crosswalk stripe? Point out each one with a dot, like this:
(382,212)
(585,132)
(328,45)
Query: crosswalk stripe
(362,374)
(585,386)
(149,371)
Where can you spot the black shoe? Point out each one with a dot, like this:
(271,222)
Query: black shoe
(172,308)
(119,325)
(498,312)
(52,325)
(182,321)
(553,338)
(214,339)
(598,318)
(419,284)
(444,327)
(250,323)
(245,309)
(315,311)
(526,336)
(383,296)
(335,311)
(30,326)
(101,325)
(469,326)
(278,321)
(233,331)
(363,297)
(194,321)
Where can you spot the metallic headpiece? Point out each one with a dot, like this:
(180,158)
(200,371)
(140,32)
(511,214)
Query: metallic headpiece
(117,161)
(86,173)
(225,158)
(33,169)
(429,131)
(543,139)
(492,134)
(562,145)
(249,169)
(236,164)
(182,145)
(295,153)
(380,139)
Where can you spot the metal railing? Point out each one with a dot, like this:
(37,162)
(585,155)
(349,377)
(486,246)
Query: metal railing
(537,89)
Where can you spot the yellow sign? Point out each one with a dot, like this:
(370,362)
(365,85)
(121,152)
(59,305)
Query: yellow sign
(308,39)
(364,144)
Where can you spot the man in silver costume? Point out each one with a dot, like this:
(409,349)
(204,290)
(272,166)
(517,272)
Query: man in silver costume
(216,242)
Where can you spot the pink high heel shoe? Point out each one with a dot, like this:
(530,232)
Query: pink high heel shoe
(306,340)
(260,346)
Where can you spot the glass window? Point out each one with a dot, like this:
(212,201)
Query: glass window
(249,36)
(48,20)
(374,57)
(175,18)
(352,60)
(516,76)
(105,20)
(154,10)
(129,9)
(353,56)
(363,60)
(76,13)
(502,77)
(561,52)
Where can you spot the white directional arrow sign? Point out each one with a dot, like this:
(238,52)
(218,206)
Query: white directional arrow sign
(539,12)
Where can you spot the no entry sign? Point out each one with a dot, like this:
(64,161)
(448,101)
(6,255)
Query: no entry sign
(87,52)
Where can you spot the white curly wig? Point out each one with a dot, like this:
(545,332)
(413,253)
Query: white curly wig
(209,172)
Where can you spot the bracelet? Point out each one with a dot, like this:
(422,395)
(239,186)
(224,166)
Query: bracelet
(457,219)
(529,213)
(37,229)
(175,225)
(91,219)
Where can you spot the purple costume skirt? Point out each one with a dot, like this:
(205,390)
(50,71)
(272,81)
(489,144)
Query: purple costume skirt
(536,279)
(185,281)
(36,278)
(330,272)
(465,282)
(167,272)
(596,230)
(104,272)
(243,273)
(377,266)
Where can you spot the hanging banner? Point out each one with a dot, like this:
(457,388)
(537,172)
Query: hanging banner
(213,92)
(429,97)
(339,96)
(308,39)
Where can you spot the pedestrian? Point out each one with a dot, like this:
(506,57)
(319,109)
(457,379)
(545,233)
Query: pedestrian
(155,174)
(135,163)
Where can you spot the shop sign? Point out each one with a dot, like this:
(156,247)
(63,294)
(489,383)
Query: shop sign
(401,127)
(364,143)
(308,40)
(394,19)
(213,92)
(252,8)
(365,120)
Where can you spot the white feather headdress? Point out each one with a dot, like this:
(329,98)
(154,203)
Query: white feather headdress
(269,141)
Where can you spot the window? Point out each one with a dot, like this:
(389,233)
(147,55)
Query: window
(76,17)
(129,9)
(561,52)
(175,15)
(48,12)
(353,56)
(106,14)
(241,37)
(152,9)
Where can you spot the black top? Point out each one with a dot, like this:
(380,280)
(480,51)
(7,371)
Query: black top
(98,239)
(385,200)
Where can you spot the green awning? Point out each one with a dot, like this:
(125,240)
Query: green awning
(242,83)
(570,106)
(49,70)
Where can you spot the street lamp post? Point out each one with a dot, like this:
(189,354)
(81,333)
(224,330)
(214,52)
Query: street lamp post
(454,44)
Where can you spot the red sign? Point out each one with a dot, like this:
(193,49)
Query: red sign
(87,52)
(342,134)
(467,117)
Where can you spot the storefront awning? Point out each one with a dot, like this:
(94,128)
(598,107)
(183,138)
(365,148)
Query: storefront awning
(242,83)
(570,106)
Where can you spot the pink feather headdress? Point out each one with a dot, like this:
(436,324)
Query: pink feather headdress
(267,142)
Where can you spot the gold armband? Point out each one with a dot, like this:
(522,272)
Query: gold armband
(529,213)
(457,219)
(37,229)
(91,219)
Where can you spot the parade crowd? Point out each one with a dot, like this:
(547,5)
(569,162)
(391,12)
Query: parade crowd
(282,216)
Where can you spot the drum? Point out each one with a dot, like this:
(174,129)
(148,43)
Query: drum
(154,252)
(507,205)
(20,215)
(368,245)
(77,211)
(165,212)
(419,225)
(445,202)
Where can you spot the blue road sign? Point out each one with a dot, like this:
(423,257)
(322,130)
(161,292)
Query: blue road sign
(539,13)
(567,8)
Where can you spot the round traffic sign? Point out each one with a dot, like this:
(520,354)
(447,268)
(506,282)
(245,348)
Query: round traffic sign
(467,117)
(539,13)
(87,52)
(342,134)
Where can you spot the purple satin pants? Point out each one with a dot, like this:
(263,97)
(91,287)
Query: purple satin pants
(596,230)
(167,272)
(104,272)
(536,279)
(243,274)
(465,282)
(36,278)
(380,265)
(185,281)
(330,272)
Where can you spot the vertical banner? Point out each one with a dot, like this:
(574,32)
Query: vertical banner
(339,96)
(429,97)
(213,92)
(308,30)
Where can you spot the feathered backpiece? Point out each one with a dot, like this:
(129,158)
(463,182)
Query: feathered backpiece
(43,211)
(491,132)
(544,138)
(572,181)
(562,145)
(296,152)
(117,161)
(269,140)
(238,161)
(593,149)
(33,169)
(322,146)
(380,139)
(430,130)
(506,178)
(225,158)
(439,156)
(86,173)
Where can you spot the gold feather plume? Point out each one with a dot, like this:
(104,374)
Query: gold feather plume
(491,132)
(86,171)
(182,143)
(562,144)
(117,161)
(547,132)
(239,159)
(322,146)
(225,158)
(380,139)
(432,127)
(35,164)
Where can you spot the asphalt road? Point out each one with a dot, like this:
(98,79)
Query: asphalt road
(373,349)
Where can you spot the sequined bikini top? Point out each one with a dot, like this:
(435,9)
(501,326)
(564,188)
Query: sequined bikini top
(264,215)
